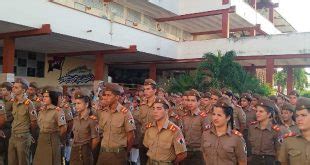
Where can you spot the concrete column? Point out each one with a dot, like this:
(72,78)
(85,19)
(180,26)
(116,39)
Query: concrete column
(152,71)
(8,54)
(225,24)
(99,67)
(269,71)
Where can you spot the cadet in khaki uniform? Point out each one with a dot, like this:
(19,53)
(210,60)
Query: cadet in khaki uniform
(221,145)
(164,140)
(25,121)
(6,89)
(205,101)
(85,132)
(52,124)
(289,125)
(293,96)
(215,95)
(2,135)
(296,149)
(194,122)
(118,128)
(264,135)
(239,115)
(145,114)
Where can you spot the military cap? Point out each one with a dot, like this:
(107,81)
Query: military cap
(114,87)
(47,89)
(162,101)
(246,96)
(294,93)
(7,85)
(237,96)
(193,92)
(206,95)
(34,85)
(273,97)
(267,103)
(81,94)
(223,102)
(23,81)
(216,92)
(288,106)
(257,96)
(227,92)
(303,103)
(149,82)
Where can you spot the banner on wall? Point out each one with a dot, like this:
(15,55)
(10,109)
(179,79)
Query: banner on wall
(79,75)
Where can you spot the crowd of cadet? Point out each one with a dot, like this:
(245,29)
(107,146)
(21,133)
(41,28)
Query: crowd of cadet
(112,126)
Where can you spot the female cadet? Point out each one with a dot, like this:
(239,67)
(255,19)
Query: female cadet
(289,127)
(263,134)
(85,131)
(52,124)
(220,144)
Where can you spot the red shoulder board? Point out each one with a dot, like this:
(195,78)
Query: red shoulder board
(203,114)
(38,99)
(276,127)
(27,102)
(12,100)
(172,127)
(254,122)
(289,135)
(237,133)
(93,117)
(148,125)
(124,110)
(57,109)
(178,117)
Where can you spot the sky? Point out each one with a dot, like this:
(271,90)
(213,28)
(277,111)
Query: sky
(295,12)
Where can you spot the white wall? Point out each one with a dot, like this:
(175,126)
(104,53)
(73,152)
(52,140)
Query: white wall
(34,13)
(170,5)
(195,6)
(294,43)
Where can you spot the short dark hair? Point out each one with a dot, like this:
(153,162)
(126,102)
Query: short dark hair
(7,86)
(53,96)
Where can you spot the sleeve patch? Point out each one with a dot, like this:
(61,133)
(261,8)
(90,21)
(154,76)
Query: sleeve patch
(131,121)
(62,118)
(181,140)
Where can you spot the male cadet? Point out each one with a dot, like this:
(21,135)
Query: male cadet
(145,113)
(215,95)
(32,95)
(2,135)
(293,96)
(118,128)
(295,150)
(194,123)
(24,122)
(205,101)
(164,139)
(5,92)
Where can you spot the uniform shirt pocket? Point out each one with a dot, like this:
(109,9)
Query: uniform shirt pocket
(207,148)
(228,152)
(164,147)
(294,155)
(116,126)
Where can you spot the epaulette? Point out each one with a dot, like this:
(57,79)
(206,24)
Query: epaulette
(124,110)
(172,127)
(276,128)
(291,134)
(237,133)
(12,100)
(203,114)
(253,122)
(177,117)
(57,109)
(38,99)
(148,125)
(93,117)
(207,127)
(27,102)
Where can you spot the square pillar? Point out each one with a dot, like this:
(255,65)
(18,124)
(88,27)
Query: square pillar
(8,53)
(269,70)
(225,24)
(271,14)
(99,66)
(290,79)
(252,32)
(152,72)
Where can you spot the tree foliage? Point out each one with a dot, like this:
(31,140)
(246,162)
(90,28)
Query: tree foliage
(300,78)
(218,71)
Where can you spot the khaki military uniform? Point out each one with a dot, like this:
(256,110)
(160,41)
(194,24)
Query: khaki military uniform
(6,129)
(20,141)
(37,105)
(2,138)
(239,118)
(138,135)
(48,148)
(85,128)
(264,143)
(295,150)
(115,123)
(180,110)
(226,149)
(145,116)
(286,129)
(250,117)
(165,144)
(193,126)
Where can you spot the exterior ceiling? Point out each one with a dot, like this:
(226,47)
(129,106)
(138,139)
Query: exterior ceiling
(6,27)
(282,24)
(146,8)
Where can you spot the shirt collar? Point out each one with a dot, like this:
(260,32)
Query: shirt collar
(268,127)
(165,126)
(23,99)
(196,112)
(228,131)
(85,115)
(51,106)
